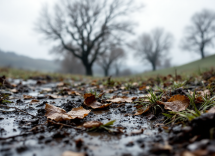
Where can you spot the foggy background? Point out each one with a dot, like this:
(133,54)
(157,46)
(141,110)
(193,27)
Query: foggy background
(17,34)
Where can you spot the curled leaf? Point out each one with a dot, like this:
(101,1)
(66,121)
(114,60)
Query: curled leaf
(176,103)
(59,114)
(90,101)
(91,124)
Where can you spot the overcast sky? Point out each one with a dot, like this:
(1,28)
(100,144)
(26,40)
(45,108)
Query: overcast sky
(17,18)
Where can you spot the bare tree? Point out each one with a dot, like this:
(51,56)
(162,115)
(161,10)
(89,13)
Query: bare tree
(153,46)
(81,26)
(201,33)
(109,58)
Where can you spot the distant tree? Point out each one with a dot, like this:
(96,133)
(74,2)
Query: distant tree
(153,46)
(82,26)
(107,60)
(201,33)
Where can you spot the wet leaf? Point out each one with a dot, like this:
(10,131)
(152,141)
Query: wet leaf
(14,90)
(53,96)
(79,113)
(141,109)
(74,93)
(142,88)
(59,114)
(27,97)
(121,99)
(70,153)
(91,124)
(47,89)
(34,101)
(90,101)
(176,103)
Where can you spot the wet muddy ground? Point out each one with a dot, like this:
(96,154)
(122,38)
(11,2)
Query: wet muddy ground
(25,130)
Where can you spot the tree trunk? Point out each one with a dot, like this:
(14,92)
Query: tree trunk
(202,51)
(89,71)
(153,66)
(106,73)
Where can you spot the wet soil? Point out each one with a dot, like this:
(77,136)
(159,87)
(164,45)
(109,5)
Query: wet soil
(24,130)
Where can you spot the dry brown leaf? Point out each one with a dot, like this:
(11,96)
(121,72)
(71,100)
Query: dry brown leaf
(34,101)
(79,112)
(121,99)
(142,87)
(47,89)
(70,153)
(14,90)
(187,153)
(53,96)
(90,101)
(27,97)
(141,110)
(212,110)
(137,132)
(60,84)
(59,114)
(91,124)
(74,93)
(176,103)
(204,93)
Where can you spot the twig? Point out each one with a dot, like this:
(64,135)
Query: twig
(61,124)
(38,126)
(20,110)
(25,134)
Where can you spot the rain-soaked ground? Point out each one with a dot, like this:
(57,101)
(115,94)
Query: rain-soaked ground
(139,133)
(26,131)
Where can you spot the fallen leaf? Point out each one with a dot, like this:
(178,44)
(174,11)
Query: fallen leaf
(79,112)
(74,93)
(59,114)
(212,110)
(53,96)
(176,103)
(34,101)
(60,84)
(137,132)
(27,97)
(142,87)
(91,124)
(121,99)
(47,89)
(204,93)
(141,110)
(70,153)
(90,101)
(14,90)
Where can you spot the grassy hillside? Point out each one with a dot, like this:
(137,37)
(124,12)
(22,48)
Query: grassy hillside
(10,59)
(193,67)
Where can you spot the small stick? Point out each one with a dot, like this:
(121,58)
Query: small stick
(20,110)
(61,124)
(15,136)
